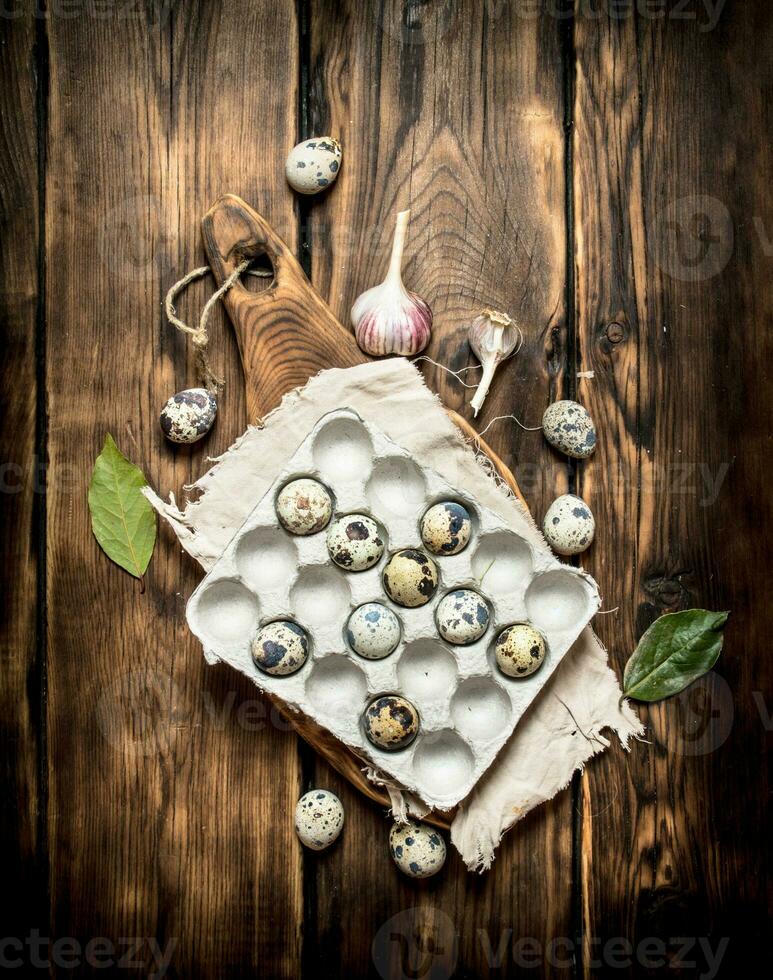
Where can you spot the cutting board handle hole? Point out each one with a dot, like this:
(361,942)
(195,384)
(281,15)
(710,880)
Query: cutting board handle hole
(260,274)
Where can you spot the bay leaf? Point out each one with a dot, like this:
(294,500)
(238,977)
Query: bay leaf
(676,650)
(122,519)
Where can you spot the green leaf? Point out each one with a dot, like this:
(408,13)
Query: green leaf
(675,651)
(122,519)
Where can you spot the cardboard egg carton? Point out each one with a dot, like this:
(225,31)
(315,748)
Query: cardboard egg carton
(467,707)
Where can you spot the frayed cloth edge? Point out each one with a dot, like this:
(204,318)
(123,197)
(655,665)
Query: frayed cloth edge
(625,733)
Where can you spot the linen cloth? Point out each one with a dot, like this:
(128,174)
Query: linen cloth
(563,728)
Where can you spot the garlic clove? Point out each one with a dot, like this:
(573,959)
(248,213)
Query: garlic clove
(388,318)
(493,337)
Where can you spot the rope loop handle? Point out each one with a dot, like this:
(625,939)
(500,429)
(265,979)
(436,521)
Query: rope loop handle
(199,335)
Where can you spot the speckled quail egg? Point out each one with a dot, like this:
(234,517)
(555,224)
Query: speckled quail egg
(520,650)
(319,819)
(189,415)
(354,542)
(446,528)
(569,525)
(462,617)
(373,631)
(390,722)
(569,428)
(418,849)
(280,648)
(304,507)
(313,164)
(410,578)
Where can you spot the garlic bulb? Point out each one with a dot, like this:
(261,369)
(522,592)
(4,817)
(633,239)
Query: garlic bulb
(388,319)
(493,338)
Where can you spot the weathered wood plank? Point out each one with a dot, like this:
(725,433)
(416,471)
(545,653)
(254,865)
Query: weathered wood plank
(165,778)
(22,476)
(455,111)
(674,318)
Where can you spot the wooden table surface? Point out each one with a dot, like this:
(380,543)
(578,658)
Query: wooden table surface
(602,174)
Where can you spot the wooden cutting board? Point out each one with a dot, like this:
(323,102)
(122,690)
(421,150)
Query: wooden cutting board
(286,334)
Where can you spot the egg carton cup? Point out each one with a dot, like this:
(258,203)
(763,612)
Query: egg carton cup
(467,707)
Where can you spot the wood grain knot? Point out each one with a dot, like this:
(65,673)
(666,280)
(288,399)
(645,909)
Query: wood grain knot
(665,904)
(665,593)
(669,592)
(615,332)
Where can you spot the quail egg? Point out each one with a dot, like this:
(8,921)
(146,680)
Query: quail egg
(569,428)
(373,631)
(280,648)
(313,164)
(462,617)
(319,819)
(390,722)
(520,650)
(410,578)
(446,528)
(304,507)
(189,415)
(417,849)
(569,525)
(354,542)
